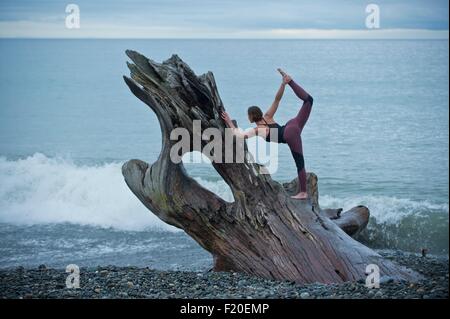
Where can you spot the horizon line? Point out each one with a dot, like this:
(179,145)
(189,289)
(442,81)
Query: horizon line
(217,38)
(27,30)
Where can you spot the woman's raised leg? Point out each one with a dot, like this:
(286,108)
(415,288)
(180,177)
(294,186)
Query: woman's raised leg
(305,110)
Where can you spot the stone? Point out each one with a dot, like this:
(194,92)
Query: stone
(304,295)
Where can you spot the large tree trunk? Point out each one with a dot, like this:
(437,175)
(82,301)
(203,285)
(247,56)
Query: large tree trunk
(263,232)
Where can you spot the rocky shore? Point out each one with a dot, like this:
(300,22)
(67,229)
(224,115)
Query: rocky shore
(134,282)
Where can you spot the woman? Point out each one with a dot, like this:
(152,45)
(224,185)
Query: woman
(273,132)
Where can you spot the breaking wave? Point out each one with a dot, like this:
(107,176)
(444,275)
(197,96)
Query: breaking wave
(42,190)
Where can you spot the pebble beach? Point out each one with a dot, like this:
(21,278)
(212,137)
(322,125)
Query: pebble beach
(111,282)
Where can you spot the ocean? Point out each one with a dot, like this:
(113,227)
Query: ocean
(377,136)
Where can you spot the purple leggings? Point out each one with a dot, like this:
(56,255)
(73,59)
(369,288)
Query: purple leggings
(293,129)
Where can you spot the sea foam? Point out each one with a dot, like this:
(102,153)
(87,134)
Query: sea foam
(39,190)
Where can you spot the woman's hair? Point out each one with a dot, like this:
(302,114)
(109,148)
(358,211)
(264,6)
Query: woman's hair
(254,114)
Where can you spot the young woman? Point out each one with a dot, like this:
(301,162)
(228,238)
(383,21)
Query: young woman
(290,133)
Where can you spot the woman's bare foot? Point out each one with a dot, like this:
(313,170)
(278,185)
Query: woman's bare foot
(301,195)
(286,77)
(281,72)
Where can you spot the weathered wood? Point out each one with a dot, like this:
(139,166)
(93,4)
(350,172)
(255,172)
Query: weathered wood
(332,213)
(352,221)
(263,231)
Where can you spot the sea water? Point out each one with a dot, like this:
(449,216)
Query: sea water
(377,136)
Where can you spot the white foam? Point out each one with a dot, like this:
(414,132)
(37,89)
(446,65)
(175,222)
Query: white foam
(385,209)
(219,188)
(39,190)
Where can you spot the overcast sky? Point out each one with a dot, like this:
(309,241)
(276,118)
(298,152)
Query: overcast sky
(224,19)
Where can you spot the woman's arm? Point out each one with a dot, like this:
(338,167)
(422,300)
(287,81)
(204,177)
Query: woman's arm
(237,131)
(274,107)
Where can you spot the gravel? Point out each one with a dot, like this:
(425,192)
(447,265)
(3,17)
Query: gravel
(133,282)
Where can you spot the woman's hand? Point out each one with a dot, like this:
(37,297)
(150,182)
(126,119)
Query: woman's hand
(286,77)
(225,117)
(227,120)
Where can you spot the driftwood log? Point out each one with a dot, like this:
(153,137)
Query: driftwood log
(263,232)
